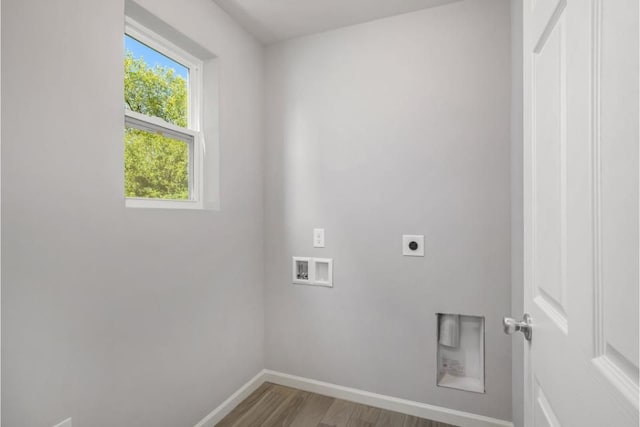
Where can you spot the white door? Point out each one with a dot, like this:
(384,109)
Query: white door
(581,212)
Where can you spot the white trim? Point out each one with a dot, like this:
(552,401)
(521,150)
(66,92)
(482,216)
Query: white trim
(417,409)
(194,140)
(195,81)
(157,122)
(620,379)
(194,118)
(65,423)
(234,400)
(163,204)
(156,42)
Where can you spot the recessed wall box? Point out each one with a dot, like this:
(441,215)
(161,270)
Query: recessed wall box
(460,352)
(302,270)
(323,268)
(313,271)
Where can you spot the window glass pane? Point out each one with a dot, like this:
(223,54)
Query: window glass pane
(156,166)
(154,84)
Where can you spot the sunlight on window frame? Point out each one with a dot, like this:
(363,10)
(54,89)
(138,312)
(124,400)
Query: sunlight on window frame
(192,134)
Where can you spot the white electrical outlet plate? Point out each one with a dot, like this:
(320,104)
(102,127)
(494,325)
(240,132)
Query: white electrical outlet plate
(413,245)
(318,237)
(65,423)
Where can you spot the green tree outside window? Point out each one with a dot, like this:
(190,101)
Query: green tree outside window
(156,166)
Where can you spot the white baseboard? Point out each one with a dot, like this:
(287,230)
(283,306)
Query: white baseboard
(417,409)
(234,400)
(422,410)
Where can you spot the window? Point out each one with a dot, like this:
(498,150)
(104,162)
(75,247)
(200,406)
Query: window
(164,145)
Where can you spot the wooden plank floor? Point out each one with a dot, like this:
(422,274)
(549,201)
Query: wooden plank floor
(274,405)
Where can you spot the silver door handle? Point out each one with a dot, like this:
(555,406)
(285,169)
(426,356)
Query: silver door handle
(511,326)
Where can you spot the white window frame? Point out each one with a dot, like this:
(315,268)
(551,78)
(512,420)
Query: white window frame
(191,135)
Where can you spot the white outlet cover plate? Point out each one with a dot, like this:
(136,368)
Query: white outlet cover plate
(407,239)
(318,237)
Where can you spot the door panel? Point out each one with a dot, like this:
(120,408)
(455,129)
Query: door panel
(544,415)
(581,215)
(616,194)
(549,180)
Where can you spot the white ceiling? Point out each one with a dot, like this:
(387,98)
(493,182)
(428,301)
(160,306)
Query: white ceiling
(275,20)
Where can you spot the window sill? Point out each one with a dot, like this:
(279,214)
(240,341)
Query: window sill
(163,204)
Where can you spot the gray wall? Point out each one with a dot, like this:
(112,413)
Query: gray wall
(110,315)
(396,126)
(139,317)
(517,225)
